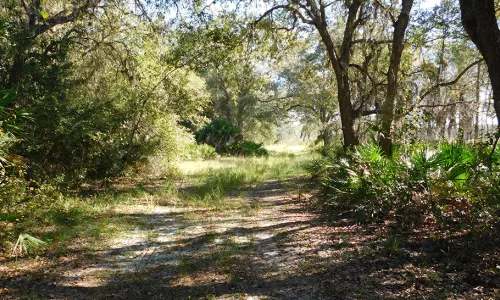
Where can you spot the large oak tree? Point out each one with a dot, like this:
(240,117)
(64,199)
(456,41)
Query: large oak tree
(481,24)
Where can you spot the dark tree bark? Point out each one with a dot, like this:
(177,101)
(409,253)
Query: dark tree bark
(37,26)
(480,23)
(478,100)
(340,64)
(385,139)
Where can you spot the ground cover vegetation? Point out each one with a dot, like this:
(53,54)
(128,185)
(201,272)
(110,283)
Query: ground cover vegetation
(105,106)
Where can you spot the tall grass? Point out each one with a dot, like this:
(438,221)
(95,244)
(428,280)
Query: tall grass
(278,166)
(216,184)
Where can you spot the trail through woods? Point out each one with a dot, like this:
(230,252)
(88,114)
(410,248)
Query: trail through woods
(273,246)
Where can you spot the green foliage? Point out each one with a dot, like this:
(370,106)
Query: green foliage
(446,183)
(241,90)
(220,134)
(226,139)
(203,151)
(89,101)
(313,89)
(11,119)
(249,148)
(94,114)
(27,244)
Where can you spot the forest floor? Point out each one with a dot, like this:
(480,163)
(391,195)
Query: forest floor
(232,229)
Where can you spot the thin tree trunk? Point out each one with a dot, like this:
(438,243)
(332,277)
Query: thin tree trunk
(462,122)
(478,99)
(385,139)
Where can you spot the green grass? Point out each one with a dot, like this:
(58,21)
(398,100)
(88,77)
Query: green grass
(216,183)
(211,184)
(235,170)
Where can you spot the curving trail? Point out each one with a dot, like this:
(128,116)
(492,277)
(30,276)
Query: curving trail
(273,246)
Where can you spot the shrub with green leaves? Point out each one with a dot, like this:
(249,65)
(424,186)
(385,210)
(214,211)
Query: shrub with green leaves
(220,134)
(202,151)
(225,137)
(447,183)
(249,148)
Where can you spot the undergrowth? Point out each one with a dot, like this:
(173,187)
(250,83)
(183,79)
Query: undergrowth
(443,185)
(57,218)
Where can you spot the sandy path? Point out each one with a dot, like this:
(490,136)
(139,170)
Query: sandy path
(274,247)
(257,252)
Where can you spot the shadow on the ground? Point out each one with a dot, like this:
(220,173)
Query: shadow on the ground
(280,252)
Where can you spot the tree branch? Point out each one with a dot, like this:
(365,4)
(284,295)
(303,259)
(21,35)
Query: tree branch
(275,99)
(270,11)
(62,18)
(444,105)
(303,106)
(365,113)
(371,41)
(442,84)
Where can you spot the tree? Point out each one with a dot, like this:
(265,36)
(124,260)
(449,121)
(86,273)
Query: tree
(480,23)
(314,13)
(99,90)
(397,46)
(35,21)
(310,88)
(238,71)
(348,47)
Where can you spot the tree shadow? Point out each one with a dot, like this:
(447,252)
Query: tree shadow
(278,257)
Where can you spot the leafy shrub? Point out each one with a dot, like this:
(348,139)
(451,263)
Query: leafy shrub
(249,148)
(202,151)
(445,184)
(226,139)
(220,134)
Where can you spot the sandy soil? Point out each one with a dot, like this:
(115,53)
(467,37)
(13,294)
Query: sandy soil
(275,247)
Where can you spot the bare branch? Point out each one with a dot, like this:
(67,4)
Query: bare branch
(444,105)
(387,11)
(442,84)
(270,11)
(275,99)
(365,113)
(433,88)
(303,106)
(303,18)
(370,41)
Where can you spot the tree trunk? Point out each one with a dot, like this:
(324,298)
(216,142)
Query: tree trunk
(480,23)
(385,138)
(478,100)
(463,119)
(346,112)
(325,133)
(340,67)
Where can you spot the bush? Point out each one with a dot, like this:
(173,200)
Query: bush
(220,134)
(445,184)
(249,148)
(226,139)
(202,151)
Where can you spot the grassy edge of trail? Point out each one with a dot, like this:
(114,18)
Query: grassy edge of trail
(69,222)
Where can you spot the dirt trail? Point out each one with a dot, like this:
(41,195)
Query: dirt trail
(274,247)
(262,251)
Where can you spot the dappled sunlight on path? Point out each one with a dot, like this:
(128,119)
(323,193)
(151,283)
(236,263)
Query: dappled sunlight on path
(269,246)
(186,252)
